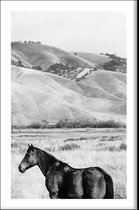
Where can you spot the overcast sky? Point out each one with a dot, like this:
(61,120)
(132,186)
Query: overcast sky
(73,31)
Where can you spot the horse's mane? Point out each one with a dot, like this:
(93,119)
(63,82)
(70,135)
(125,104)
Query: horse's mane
(53,158)
(50,155)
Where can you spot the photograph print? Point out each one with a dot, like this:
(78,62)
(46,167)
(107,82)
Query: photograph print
(68,105)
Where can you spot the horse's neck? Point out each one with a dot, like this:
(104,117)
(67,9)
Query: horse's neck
(45,160)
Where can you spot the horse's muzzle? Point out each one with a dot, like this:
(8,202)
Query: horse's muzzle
(20,169)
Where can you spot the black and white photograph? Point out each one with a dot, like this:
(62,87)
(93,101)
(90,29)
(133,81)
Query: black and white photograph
(68,105)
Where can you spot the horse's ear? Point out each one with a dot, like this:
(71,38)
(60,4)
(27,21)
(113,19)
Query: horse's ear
(31,147)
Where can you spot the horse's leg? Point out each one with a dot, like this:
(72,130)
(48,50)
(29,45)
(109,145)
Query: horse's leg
(53,195)
(75,197)
(52,187)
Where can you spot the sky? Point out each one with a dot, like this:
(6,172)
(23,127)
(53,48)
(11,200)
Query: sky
(96,32)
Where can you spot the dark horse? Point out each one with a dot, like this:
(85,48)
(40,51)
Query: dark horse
(63,181)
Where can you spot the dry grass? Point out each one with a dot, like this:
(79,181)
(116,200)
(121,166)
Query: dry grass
(93,148)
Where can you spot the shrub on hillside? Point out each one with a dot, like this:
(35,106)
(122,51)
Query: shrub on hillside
(61,69)
(116,64)
(37,68)
(19,63)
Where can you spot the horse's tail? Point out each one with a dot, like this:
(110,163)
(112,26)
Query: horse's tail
(109,187)
(109,184)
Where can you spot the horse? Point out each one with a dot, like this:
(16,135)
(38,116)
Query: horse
(64,182)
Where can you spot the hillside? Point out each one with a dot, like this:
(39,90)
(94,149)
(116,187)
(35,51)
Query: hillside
(33,54)
(74,66)
(107,61)
(112,82)
(38,96)
(98,59)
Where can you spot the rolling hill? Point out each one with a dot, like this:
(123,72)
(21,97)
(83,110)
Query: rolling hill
(33,54)
(98,59)
(112,82)
(71,65)
(38,96)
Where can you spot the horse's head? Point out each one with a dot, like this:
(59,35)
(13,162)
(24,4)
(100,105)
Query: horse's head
(30,159)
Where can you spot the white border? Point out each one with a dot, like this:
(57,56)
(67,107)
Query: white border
(7,8)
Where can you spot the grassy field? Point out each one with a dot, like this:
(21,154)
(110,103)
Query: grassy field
(86,147)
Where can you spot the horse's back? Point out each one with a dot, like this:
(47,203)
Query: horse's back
(94,184)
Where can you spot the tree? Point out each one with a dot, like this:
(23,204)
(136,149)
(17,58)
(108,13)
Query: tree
(44,123)
(19,63)
(37,68)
